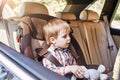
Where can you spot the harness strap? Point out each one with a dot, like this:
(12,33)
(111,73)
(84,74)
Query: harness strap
(44,53)
(31,26)
(110,45)
(33,30)
(52,59)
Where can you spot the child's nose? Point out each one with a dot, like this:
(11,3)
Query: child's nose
(69,39)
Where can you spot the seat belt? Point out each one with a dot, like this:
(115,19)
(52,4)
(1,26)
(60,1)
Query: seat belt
(110,43)
(52,59)
(107,28)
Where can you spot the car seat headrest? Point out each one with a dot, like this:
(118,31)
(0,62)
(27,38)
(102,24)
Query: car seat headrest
(35,25)
(89,15)
(33,8)
(66,16)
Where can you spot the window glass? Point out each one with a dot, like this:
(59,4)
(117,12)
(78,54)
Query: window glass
(97,6)
(55,6)
(8,11)
(12,7)
(115,23)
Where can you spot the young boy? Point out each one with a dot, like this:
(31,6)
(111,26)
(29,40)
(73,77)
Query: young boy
(57,37)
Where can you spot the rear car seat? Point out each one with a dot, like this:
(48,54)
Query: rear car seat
(93,34)
(97,39)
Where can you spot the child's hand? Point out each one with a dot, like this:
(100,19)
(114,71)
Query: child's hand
(77,70)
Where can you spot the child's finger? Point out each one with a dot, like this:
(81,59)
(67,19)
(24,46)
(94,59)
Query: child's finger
(80,70)
(78,74)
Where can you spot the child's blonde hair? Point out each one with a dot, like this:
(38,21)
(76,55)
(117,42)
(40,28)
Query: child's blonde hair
(52,28)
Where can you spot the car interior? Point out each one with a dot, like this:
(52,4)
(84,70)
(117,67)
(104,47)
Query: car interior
(93,41)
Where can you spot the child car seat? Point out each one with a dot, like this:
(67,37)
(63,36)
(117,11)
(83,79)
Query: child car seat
(33,8)
(30,37)
(33,38)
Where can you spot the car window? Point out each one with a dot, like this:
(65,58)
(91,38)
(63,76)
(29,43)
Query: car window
(22,67)
(5,74)
(97,6)
(115,23)
(11,70)
(12,7)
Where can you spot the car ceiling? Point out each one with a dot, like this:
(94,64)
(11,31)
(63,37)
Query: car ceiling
(76,6)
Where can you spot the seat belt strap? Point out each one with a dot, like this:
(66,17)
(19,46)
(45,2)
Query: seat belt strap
(107,28)
(33,30)
(52,59)
(45,53)
(110,44)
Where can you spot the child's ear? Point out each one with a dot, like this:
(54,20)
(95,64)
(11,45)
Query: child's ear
(52,40)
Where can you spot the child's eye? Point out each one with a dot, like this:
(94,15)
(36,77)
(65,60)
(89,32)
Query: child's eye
(64,36)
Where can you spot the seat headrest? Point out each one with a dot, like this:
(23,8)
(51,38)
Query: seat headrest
(66,16)
(89,15)
(32,8)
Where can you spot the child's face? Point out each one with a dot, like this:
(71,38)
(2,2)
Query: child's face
(63,39)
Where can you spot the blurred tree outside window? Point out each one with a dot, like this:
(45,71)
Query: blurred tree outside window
(55,6)
(97,6)
(115,23)
(12,8)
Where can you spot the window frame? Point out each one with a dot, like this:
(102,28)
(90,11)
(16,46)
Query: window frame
(30,67)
